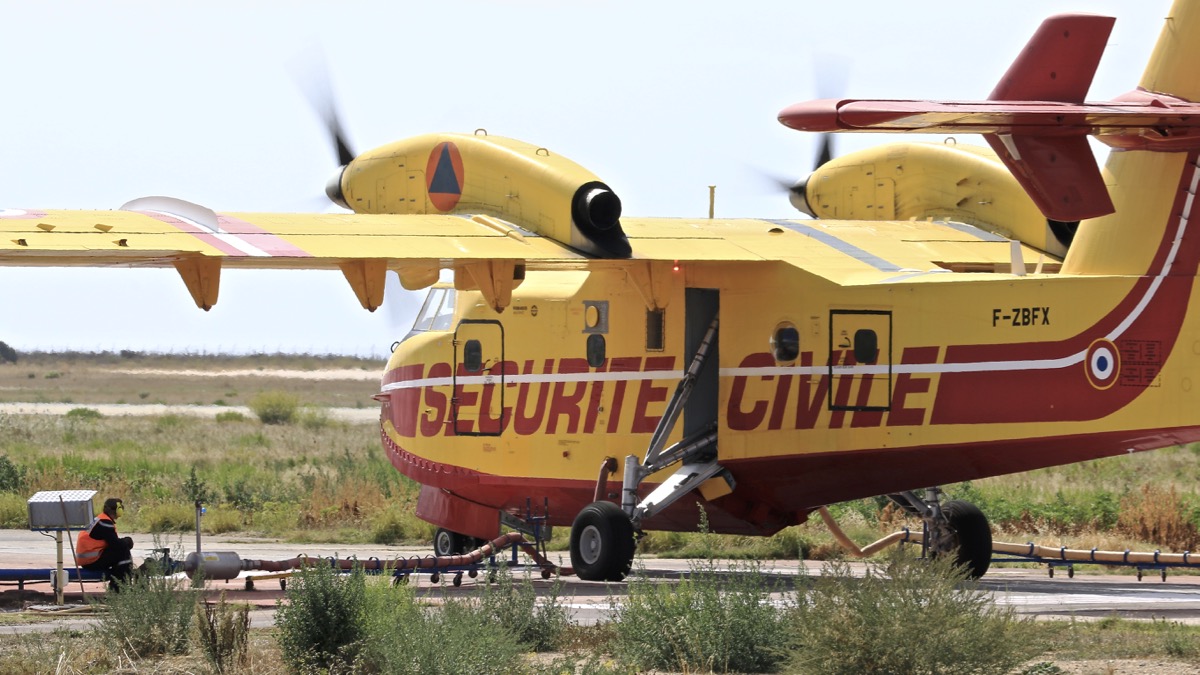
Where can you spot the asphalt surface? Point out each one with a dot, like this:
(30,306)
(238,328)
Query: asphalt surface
(1030,591)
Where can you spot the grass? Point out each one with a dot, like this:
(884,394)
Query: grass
(274,479)
(110,377)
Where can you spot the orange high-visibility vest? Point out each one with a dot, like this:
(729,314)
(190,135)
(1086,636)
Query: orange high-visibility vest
(88,549)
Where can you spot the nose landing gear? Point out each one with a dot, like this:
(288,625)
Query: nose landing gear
(602,542)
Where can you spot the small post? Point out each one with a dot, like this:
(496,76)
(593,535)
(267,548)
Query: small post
(712,200)
(58,570)
(199,512)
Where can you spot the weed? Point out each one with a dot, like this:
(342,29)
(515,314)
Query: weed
(52,375)
(224,634)
(83,414)
(151,615)
(322,619)
(275,407)
(706,622)
(230,416)
(143,395)
(850,625)
(405,637)
(513,603)
(195,489)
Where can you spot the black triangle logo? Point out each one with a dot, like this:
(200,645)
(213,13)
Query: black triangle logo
(444,181)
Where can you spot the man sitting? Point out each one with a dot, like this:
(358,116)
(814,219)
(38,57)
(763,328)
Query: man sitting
(98,547)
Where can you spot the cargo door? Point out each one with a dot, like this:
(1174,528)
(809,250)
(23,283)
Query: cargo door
(478,402)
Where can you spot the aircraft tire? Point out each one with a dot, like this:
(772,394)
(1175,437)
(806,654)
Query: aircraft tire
(974,536)
(446,542)
(602,543)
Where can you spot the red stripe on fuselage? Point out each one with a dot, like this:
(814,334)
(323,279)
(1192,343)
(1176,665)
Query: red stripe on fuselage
(1065,394)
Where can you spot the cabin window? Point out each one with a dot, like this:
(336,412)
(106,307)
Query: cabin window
(866,346)
(437,313)
(785,343)
(473,356)
(596,350)
(655,320)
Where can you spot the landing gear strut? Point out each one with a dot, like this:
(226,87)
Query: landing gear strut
(955,528)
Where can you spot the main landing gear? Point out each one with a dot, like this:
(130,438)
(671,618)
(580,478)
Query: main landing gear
(955,528)
(447,543)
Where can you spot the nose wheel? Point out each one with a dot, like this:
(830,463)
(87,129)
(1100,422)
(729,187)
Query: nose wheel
(602,543)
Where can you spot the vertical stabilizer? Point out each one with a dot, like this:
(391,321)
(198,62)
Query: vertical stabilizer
(1147,187)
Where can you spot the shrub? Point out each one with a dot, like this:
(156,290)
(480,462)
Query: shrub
(906,616)
(83,414)
(224,634)
(12,477)
(1157,515)
(405,637)
(314,418)
(707,622)
(150,615)
(513,603)
(275,407)
(7,353)
(167,517)
(322,619)
(230,416)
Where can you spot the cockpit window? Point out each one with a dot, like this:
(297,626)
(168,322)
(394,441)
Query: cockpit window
(438,311)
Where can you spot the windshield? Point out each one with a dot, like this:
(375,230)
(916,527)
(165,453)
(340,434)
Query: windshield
(438,311)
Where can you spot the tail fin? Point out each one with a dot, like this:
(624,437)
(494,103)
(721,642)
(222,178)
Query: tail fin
(1057,64)
(1147,188)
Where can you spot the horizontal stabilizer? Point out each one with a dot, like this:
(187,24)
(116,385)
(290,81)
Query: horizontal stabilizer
(1059,61)
(1059,173)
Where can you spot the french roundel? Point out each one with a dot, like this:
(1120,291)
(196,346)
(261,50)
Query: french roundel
(444,176)
(1103,364)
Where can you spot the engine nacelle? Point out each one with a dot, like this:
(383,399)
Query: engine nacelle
(477,174)
(905,181)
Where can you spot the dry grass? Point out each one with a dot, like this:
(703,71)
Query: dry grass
(95,378)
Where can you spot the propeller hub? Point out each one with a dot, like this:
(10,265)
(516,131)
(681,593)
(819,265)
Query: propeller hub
(333,188)
(798,196)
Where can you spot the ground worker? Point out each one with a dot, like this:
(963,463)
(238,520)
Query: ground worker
(100,549)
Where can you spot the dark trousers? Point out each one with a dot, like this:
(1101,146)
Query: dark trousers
(115,560)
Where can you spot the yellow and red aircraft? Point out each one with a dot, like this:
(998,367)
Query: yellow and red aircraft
(935,323)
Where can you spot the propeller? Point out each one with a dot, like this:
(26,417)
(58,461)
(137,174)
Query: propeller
(831,72)
(311,75)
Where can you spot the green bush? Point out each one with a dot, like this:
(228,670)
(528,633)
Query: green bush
(906,616)
(230,417)
(706,622)
(405,637)
(322,619)
(12,477)
(83,414)
(151,615)
(14,511)
(513,603)
(275,407)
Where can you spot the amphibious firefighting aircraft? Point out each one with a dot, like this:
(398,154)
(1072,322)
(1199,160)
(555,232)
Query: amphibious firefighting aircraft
(934,324)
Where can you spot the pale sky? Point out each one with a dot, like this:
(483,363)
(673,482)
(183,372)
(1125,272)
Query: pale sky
(106,102)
